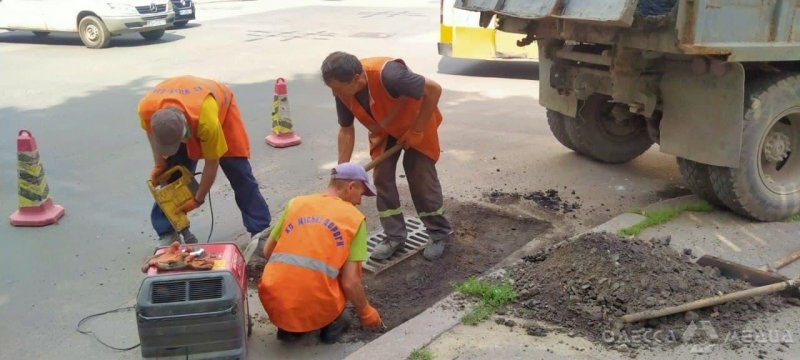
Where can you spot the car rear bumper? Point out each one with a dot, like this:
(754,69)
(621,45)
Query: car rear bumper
(127,24)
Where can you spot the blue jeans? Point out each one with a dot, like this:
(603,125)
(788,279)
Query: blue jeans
(255,212)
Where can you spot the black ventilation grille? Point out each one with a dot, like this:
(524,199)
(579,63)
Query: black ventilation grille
(164,292)
(205,289)
(169,292)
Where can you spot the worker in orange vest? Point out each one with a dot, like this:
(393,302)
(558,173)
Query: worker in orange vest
(187,119)
(396,106)
(314,255)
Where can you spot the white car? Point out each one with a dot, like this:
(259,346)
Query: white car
(96,21)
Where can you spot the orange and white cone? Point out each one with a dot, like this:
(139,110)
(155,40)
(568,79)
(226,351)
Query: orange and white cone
(36,208)
(282,133)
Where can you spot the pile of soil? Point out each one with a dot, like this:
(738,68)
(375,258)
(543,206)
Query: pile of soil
(548,199)
(655,7)
(586,284)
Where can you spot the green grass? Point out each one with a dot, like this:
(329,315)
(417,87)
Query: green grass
(421,354)
(793,218)
(493,295)
(662,216)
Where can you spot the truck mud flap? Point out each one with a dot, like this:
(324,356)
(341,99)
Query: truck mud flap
(703,112)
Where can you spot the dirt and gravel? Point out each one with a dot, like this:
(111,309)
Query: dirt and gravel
(584,285)
(549,199)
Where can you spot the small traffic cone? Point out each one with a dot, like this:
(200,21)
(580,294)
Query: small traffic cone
(36,208)
(282,134)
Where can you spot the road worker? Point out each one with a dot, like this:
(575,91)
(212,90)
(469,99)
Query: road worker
(314,254)
(396,106)
(187,119)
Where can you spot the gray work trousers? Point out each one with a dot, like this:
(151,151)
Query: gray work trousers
(426,193)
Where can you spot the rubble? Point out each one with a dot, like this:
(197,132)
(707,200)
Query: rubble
(586,284)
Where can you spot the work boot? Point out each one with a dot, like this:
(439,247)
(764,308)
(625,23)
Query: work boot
(434,249)
(385,249)
(331,333)
(168,238)
(287,336)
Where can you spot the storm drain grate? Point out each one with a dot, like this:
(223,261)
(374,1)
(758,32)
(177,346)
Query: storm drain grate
(417,239)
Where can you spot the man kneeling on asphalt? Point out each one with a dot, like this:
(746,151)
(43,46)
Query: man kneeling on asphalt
(314,255)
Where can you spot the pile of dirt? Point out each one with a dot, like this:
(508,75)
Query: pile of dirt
(548,199)
(584,285)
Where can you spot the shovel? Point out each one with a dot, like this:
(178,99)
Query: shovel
(253,245)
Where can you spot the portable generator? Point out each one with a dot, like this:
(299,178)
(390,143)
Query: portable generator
(197,314)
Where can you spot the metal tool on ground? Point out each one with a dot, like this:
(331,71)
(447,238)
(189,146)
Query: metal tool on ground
(782,262)
(711,301)
(173,188)
(191,313)
(730,269)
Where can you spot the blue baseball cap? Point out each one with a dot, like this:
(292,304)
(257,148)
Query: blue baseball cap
(355,172)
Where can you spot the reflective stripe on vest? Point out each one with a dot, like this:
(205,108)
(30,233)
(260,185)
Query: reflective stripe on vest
(304,262)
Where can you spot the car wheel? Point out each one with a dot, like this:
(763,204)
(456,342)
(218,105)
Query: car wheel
(180,24)
(93,32)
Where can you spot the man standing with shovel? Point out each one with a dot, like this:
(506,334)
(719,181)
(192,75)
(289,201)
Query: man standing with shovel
(396,106)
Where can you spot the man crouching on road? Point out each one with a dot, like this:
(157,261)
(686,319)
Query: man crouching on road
(314,256)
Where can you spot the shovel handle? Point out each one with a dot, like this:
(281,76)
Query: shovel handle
(386,154)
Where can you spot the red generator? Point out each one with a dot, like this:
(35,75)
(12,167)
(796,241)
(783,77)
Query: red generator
(197,314)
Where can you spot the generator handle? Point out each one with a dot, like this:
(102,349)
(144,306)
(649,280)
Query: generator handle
(227,311)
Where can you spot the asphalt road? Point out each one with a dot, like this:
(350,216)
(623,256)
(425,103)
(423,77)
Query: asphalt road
(81,106)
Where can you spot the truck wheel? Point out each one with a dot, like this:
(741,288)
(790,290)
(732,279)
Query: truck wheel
(93,32)
(766,185)
(698,178)
(557,121)
(598,135)
(152,34)
(41,34)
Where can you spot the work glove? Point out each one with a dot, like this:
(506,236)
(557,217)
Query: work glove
(370,318)
(157,170)
(189,205)
(411,138)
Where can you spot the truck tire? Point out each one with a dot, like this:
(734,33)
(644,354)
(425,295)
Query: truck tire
(93,32)
(152,34)
(557,121)
(766,185)
(698,177)
(596,134)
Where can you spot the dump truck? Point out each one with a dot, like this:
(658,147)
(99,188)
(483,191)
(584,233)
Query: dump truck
(714,82)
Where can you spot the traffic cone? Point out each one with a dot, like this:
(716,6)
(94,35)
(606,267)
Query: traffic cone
(36,208)
(282,134)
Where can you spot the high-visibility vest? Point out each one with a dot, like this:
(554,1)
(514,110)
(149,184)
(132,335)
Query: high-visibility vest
(300,287)
(187,93)
(391,115)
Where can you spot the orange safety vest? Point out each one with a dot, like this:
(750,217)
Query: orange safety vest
(187,93)
(390,115)
(300,287)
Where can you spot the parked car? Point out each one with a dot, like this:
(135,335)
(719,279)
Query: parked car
(96,21)
(184,11)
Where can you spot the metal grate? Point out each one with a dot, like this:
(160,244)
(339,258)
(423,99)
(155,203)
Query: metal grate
(168,292)
(164,292)
(416,240)
(205,289)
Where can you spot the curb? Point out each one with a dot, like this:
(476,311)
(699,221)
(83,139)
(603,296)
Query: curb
(418,332)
